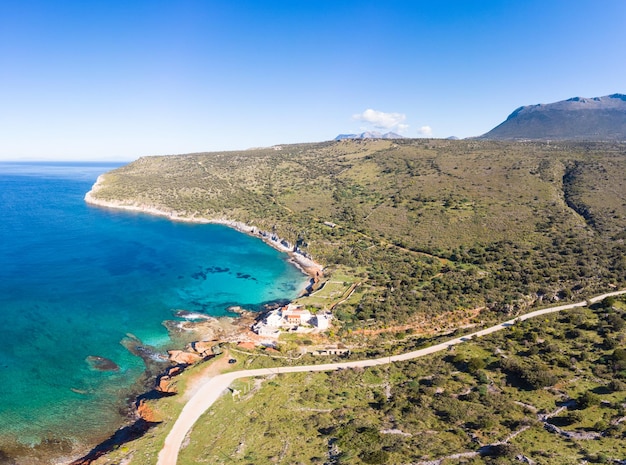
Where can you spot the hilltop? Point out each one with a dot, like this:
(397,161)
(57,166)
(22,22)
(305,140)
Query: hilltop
(578,118)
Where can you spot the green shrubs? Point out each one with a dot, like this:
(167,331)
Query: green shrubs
(437,227)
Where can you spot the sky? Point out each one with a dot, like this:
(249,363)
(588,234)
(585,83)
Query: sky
(117,80)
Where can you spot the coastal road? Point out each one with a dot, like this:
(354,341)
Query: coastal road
(213,388)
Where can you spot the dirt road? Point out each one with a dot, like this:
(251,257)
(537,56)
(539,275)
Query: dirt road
(213,388)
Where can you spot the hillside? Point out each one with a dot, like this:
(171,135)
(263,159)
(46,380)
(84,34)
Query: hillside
(548,390)
(427,226)
(592,119)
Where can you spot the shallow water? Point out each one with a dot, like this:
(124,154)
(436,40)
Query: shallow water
(75,279)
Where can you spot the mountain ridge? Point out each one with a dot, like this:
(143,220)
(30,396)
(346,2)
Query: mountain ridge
(370,135)
(577,118)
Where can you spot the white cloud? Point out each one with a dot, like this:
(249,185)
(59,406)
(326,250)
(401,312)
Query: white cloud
(425,131)
(383,120)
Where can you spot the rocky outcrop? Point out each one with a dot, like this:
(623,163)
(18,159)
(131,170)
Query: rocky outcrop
(204,348)
(182,357)
(164,382)
(146,413)
(193,353)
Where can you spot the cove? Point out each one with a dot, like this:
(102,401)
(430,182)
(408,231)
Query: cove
(76,279)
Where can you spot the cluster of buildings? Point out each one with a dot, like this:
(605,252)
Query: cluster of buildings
(289,318)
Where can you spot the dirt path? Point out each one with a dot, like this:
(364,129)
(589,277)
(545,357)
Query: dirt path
(208,393)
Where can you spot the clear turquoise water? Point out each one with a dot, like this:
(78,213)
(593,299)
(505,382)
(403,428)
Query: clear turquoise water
(75,279)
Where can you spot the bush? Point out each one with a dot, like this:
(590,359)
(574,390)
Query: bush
(375,457)
(587,399)
(617,386)
(619,355)
(476,364)
(507,451)
(574,416)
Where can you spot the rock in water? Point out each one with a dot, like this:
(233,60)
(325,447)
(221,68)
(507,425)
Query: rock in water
(98,363)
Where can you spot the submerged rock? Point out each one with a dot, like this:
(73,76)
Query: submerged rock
(187,315)
(98,363)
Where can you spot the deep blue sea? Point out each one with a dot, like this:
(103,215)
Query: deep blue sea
(76,279)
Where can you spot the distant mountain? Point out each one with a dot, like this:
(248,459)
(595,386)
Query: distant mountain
(578,118)
(370,135)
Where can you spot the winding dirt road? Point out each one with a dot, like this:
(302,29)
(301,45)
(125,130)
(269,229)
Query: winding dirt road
(213,388)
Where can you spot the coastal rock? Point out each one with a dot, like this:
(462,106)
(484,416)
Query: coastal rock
(177,370)
(164,384)
(148,354)
(98,363)
(146,413)
(184,358)
(203,348)
(187,315)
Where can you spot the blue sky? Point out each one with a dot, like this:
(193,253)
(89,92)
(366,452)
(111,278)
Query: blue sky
(116,80)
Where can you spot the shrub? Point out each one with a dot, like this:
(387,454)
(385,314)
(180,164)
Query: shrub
(587,399)
(617,386)
(476,364)
(375,457)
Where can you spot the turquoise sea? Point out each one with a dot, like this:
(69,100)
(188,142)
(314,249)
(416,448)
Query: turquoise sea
(76,279)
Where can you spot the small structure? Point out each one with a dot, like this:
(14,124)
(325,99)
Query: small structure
(330,350)
(264,330)
(274,319)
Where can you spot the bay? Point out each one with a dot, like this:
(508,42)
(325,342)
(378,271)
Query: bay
(76,279)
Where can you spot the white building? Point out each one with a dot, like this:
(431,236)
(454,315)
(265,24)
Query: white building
(287,317)
(322,321)
(295,315)
(274,319)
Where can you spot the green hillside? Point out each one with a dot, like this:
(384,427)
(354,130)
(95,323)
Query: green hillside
(427,226)
(549,390)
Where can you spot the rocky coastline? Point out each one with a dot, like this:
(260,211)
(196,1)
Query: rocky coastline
(299,258)
(199,335)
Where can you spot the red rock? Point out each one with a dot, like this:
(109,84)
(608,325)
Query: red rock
(164,384)
(184,358)
(247,345)
(203,347)
(146,412)
(177,370)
